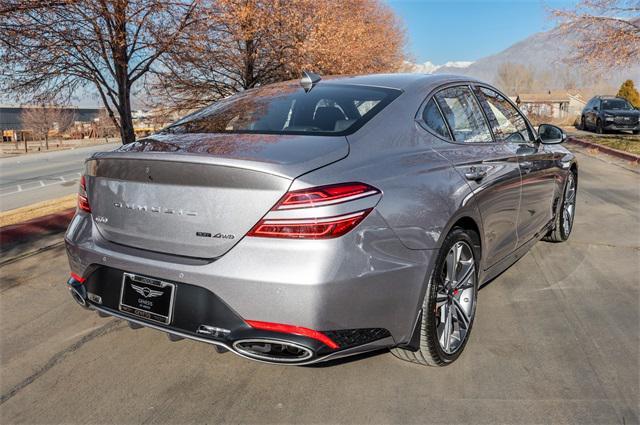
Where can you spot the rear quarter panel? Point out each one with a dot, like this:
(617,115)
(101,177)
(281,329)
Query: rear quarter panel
(423,195)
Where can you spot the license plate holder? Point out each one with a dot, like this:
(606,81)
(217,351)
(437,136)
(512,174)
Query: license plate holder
(147,298)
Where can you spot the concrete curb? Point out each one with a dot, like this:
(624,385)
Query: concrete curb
(24,232)
(605,149)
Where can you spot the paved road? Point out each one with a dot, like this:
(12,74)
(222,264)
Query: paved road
(27,179)
(556,340)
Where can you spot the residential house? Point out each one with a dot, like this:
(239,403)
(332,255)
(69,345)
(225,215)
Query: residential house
(557,104)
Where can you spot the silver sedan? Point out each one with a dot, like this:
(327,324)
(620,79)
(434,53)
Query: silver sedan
(305,221)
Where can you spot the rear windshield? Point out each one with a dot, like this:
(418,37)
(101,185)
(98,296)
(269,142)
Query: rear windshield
(615,104)
(330,109)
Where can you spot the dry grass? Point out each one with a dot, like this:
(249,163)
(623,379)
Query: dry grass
(625,143)
(20,215)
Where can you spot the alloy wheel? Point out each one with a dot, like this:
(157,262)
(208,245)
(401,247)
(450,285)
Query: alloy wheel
(455,300)
(569,204)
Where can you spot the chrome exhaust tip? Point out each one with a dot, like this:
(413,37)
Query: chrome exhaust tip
(79,294)
(271,350)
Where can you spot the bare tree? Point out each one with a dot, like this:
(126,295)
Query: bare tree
(49,49)
(246,43)
(514,78)
(104,126)
(45,119)
(607,32)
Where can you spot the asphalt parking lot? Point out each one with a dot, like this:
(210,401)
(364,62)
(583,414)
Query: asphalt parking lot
(556,339)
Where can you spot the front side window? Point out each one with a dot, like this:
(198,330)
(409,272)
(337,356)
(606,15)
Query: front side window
(328,109)
(463,114)
(506,121)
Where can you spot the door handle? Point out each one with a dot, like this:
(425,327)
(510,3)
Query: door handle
(475,174)
(526,166)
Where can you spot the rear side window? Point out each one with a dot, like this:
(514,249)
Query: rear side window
(463,114)
(434,120)
(329,109)
(506,121)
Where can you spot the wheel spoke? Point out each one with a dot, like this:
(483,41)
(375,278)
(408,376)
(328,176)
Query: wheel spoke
(468,283)
(457,249)
(451,265)
(441,299)
(461,314)
(443,328)
(447,329)
(463,283)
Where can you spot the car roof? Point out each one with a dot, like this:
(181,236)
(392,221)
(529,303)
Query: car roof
(400,81)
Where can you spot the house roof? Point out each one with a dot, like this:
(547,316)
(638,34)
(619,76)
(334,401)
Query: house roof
(552,96)
(549,96)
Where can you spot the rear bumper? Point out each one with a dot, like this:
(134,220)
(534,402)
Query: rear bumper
(363,289)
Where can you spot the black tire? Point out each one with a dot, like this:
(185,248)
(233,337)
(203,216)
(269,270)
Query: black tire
(636,132)
(559,231)
(599,128)
(583,124)
(430,352)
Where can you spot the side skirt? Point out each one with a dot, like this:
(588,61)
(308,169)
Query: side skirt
(495,270)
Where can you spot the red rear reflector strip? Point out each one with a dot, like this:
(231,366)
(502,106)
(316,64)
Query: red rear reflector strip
(83,202)
(77,277)
(293,330)
(325,195)
(308,228)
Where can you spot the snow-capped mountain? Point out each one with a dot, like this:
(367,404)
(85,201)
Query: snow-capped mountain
(429,67)
(543,54)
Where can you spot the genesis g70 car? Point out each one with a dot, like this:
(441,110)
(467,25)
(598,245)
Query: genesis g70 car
(310,220)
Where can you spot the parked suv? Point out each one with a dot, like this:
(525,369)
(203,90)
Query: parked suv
(604,113)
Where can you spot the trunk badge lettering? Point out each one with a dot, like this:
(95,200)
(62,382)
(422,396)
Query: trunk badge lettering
(216,236)
(154,209)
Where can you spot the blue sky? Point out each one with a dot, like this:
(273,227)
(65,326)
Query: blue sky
(467,30)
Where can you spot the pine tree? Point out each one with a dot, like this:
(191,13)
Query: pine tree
(629,92)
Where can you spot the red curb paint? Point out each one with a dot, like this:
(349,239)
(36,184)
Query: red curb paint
(605,149)
(52,223)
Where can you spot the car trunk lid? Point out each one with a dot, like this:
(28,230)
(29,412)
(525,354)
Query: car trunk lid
(197,197)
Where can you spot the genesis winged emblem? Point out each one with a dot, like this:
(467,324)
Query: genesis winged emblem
(146,292)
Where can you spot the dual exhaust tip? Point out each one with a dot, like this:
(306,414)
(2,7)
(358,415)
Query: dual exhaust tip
(78,292)
(262,349)
(272,350)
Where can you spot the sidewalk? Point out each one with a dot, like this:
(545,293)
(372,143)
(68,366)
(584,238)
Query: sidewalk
(9,150)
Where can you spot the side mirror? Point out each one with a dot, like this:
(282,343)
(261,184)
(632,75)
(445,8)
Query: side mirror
(550,134)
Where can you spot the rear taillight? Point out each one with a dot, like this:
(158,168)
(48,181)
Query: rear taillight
(316,227)
(325,195)
(83,202)
(309,228)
